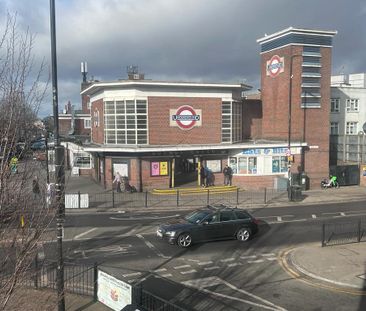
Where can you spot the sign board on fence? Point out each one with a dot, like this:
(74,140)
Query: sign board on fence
(72,200)
(114,293)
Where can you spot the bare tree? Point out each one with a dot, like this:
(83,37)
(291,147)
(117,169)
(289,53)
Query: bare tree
(24,213)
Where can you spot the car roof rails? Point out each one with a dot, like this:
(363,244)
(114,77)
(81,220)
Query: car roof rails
(218,206)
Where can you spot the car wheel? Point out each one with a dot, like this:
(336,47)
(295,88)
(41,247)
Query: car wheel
(184,240)
(243,234)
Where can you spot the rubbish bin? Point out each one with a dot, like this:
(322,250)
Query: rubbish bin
(295,193)
(304,182)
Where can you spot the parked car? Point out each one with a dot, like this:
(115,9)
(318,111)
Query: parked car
(209,223)
(38,145)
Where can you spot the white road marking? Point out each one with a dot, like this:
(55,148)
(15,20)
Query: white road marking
(84,233)
(144,218)
(255,261)
(279,218)
(205,263)
(160,270)
(271,258)
(200,284)
(313,216)
(343,214)
(234,264)
(152,247)
(167,275)
(211,268)
(188,272)
(268,254)
(181,267)
(248,257)
(227,259)
(131,274)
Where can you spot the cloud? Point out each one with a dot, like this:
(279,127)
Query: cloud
(206,40)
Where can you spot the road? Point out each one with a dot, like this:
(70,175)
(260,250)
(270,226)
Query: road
(224,275)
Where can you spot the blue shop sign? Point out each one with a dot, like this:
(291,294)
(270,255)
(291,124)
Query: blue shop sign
(266,151)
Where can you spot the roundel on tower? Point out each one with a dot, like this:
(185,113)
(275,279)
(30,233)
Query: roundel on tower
(275,66)
(185,117)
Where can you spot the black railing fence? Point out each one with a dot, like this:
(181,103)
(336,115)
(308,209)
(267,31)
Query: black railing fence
(344,232)
(80,279)
(238,197)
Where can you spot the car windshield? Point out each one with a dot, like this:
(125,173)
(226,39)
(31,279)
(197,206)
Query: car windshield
(196,217)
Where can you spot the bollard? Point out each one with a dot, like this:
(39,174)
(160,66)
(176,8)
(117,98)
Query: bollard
(208,196)
(95,296)
(265,195)
(323,235)
(359,231)
(112,198)
(237,196)
(146,198)
(177,197)
(79,200)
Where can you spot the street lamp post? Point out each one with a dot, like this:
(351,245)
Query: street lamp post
(59,167)
(289,183)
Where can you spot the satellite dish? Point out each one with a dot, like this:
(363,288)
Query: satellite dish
(364,127)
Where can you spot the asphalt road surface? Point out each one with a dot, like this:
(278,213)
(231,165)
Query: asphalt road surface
(221,275)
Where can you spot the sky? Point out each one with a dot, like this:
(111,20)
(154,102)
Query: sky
(178,40)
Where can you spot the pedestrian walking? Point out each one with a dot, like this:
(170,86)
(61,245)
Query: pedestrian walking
(14,164)
(203,175)
(228,175)
(118,181)
(35,188)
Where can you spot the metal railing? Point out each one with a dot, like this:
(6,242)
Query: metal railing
(344,232)
(238,197)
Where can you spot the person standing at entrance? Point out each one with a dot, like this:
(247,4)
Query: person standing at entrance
(118,180)
(203,176)
(228,175)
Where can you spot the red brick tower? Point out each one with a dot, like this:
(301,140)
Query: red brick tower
(295,84)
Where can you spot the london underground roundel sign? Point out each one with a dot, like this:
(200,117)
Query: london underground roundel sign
(185,117)
(275,66)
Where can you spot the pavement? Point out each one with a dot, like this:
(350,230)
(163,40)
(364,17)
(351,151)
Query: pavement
(340,268)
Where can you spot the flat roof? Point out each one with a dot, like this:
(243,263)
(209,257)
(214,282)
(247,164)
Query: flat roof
(172,148)
(97,86)
(317,32)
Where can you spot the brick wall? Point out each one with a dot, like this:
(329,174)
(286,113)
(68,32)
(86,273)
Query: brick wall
(307,125)
(252,119)
(161,133)
(64,126)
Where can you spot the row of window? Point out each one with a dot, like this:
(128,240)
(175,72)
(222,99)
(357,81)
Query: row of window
(351,128)
(352,105)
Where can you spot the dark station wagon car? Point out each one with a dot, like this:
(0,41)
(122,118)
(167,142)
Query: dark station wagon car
(209,223)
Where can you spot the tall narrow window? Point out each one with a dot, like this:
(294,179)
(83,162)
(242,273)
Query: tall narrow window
(226,122)
(352,105)
(334,105)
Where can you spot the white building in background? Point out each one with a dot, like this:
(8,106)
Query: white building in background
(347,119)
(348,104)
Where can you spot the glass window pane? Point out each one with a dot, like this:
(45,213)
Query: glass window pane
(120,107)
(130,106)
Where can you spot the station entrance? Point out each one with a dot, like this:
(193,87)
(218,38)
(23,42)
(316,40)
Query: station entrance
(185,172)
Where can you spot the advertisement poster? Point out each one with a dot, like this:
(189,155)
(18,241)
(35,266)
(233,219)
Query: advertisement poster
(121,168)
(112,292)
(155,169)
(163,168)
(214,165)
